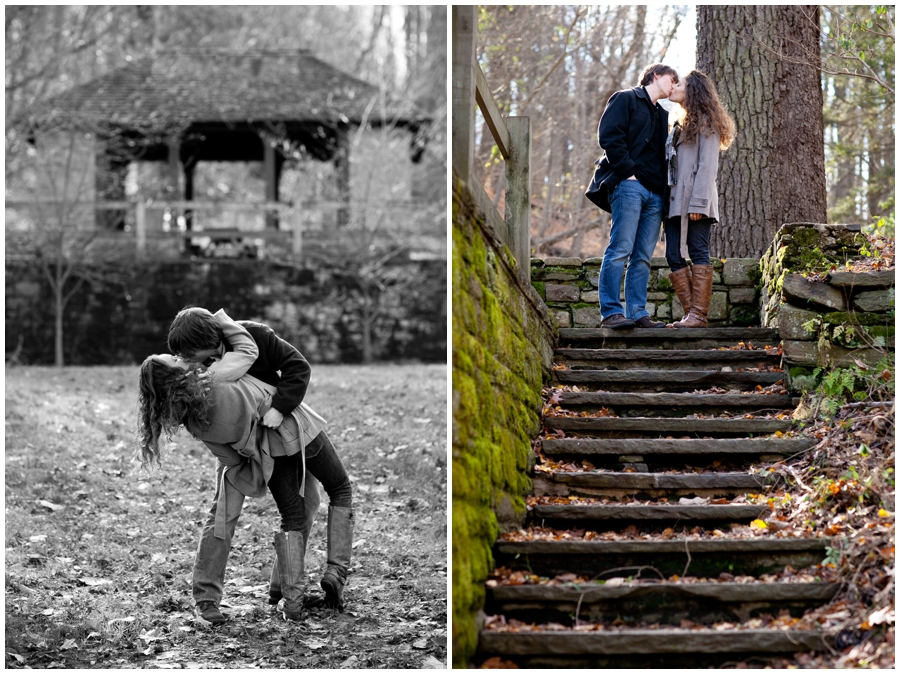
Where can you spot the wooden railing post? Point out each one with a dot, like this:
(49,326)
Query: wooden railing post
(464,17)
(297,242)
(518,191)
(140,225)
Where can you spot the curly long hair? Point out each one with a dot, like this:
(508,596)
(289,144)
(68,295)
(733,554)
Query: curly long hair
(168,398)
(704,112)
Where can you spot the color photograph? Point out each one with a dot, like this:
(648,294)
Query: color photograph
(673,325)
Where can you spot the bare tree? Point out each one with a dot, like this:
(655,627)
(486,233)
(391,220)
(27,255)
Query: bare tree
(560,65)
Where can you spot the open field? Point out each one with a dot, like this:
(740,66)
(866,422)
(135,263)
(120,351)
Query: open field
(99,554)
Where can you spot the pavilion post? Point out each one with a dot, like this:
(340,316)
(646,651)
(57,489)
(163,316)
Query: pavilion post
(342,174)
(270,165)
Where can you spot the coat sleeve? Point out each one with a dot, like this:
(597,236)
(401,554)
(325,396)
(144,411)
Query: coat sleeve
(704,188)
(613,134)
(234,364)
(294,368)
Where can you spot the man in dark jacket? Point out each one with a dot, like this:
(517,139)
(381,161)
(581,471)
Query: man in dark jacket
(630,183)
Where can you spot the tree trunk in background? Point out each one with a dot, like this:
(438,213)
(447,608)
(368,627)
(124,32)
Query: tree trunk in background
(775,171)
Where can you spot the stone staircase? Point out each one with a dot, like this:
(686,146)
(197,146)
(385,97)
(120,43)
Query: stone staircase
(661,466)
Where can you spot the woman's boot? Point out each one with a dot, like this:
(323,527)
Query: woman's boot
(701,294)
(340,543)
(289,550)
(681,281)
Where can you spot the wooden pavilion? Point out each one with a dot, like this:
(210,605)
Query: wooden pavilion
(212,105)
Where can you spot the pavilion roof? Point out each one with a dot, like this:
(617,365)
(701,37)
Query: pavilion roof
(190,86)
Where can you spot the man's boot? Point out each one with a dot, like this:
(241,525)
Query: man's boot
(340,543)
(681,281)
(701,294)
(289,549)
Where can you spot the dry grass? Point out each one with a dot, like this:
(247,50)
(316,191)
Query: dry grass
(99,555)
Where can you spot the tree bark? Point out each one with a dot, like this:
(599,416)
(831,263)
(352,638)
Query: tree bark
(774,172)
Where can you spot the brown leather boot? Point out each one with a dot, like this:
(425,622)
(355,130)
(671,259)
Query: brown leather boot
(681,281)
(701,294)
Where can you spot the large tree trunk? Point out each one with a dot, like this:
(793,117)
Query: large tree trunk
(775,171)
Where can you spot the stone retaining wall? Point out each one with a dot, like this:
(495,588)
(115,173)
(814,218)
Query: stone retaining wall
(503,343)
(569,287)
(827,317)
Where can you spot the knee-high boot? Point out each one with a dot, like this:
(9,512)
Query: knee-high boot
(275,594)
(311,502)
(340,544)
(681,282)
(289,549)
(701,295)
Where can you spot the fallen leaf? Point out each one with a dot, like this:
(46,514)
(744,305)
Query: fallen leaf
(52,506)
(757,524)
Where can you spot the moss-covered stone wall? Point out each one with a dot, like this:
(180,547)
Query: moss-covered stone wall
(826,316)
(502,353)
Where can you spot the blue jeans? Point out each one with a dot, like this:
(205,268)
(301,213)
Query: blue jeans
(697,242)
(636,219)
(212,553)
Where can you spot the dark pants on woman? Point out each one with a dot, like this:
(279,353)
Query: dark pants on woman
(697,242)
(323,463)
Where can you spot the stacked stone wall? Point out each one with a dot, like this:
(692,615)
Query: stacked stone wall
(502,353)
(826,315)
(126,318)
(569,286)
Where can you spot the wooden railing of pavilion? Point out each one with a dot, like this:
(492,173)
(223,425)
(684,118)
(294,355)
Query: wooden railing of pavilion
(142,218)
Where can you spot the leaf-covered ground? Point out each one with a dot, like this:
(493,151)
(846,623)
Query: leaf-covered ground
(99,555)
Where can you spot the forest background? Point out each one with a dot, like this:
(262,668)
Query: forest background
(560,64)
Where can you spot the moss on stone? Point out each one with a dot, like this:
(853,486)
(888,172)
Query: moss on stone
(857,318)
(664,284)
(745,314)
(541,287)
(498,371)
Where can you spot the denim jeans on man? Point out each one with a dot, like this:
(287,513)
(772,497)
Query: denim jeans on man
(636,220)
(697,242)
(297,513)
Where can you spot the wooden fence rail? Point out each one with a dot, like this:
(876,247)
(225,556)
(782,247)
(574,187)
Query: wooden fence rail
(140,207)
(511,134)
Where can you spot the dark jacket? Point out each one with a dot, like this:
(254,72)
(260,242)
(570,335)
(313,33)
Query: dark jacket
(276,355)
(625,127)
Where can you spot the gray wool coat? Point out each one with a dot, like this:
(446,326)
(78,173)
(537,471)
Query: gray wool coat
(695,190)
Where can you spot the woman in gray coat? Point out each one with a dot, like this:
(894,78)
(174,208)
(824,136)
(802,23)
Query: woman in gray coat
(692,151)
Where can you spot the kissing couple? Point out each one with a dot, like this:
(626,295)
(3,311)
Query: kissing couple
(650,174)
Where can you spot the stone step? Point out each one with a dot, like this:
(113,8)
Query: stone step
(602,649)
(658,446)
(682,401)
(653,485)
(576,515)
(702,338)
(659,426)
(655,601)
(707,557)
(665,380)
(680,359)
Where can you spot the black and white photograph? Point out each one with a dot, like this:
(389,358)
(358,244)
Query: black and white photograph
(226,337)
